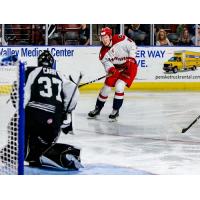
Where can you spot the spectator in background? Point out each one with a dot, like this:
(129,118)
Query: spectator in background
(191,29)
(10,37)
(180,29)
(198,37)
(38,34)
(185,38)
(71,33)
(133,32)
(161,39)
(146,29)
(84,35)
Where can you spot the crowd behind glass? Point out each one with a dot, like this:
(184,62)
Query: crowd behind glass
(88,34)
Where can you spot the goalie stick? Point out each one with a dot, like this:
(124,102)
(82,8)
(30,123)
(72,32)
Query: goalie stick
(185,129)
(67,109)
(77,85)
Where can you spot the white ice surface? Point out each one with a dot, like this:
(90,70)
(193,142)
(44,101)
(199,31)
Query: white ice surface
(146,138)
(147,135)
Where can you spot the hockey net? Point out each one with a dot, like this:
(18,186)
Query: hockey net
(11,119)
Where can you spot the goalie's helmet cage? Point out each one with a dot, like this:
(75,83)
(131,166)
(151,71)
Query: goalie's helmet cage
(45,59)
(12,119)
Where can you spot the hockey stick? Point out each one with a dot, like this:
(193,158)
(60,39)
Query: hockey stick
(70,78)
(185,129)
(70,101)
(92,81)
(77,85)
(95,80)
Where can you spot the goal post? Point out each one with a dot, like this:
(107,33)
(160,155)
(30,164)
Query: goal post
(12,118)
(21,120)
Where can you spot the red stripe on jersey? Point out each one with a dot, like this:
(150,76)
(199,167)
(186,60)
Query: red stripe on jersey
(103,97)
(119,94)
(103,51)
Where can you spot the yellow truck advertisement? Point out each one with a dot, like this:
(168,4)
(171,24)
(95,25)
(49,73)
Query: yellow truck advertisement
(182,60)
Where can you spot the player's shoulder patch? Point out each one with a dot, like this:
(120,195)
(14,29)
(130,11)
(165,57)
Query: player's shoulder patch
(118,38)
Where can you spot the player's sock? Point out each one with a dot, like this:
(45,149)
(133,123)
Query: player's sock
(117,103)
(118,100)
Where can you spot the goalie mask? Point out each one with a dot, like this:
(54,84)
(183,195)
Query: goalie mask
(45,59)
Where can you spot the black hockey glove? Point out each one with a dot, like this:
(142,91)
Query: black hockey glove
(67,128)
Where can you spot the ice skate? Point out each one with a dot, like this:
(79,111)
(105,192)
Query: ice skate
(114,115)
(94,113)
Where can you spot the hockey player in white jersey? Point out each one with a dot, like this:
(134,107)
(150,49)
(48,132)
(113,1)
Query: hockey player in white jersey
(118,58)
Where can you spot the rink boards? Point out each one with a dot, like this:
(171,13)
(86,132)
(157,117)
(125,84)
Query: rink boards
(152,86)
(75,59)
(148,86)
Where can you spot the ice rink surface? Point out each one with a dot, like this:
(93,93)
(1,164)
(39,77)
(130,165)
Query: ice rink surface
(146,139)
(147,135)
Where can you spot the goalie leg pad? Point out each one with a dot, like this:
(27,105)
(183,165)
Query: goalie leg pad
(62,156)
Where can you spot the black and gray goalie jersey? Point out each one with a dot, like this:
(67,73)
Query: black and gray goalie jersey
(48,90)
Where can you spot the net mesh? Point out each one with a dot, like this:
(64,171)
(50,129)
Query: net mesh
(9,116)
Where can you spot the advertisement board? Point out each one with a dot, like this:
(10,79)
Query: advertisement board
(152,62)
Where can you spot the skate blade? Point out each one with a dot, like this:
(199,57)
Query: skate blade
(96,117)
(113,120)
